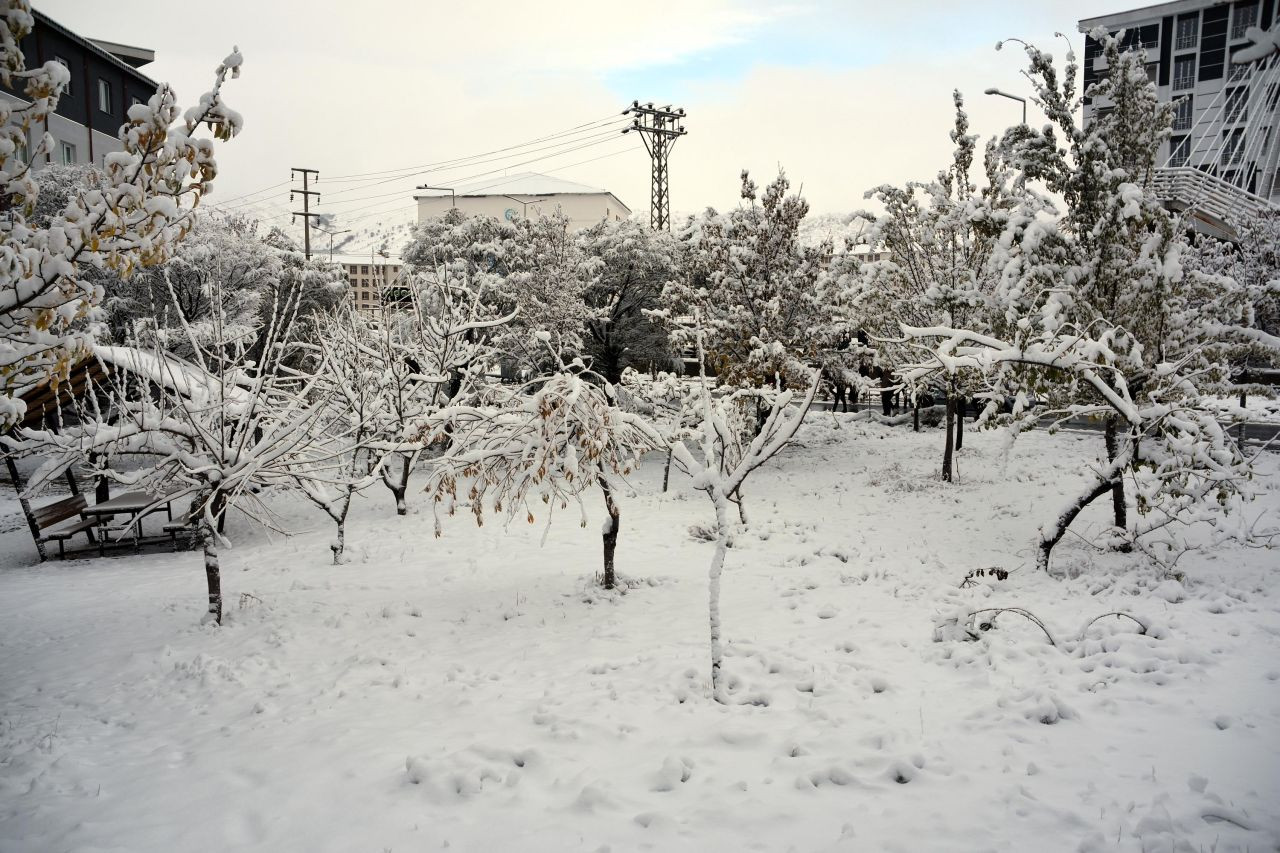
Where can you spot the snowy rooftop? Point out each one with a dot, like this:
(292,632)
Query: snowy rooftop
(346,258)
(523,183)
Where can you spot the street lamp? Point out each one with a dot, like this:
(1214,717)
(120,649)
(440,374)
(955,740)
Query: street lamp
(453,198)
(331,236)
(994,91)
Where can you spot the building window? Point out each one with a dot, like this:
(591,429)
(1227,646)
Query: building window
(1183,112)
(66,65)
(104,96)
(364,269)
(1180,148)
(1242,18)
(67,151)
(1188,32)
(1232,147)
(1149,36)
(1237,104)
(1184,73)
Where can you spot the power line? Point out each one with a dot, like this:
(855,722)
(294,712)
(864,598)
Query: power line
(474,162)
(567,131)
(408,171)
(345,220)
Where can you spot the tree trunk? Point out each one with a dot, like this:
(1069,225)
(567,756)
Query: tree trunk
(611,527)
(212,571)
(915,415)
(220,510)
(1117,491)
(400,486)
(948,447)
(339,541)
(713,591)
(1244,398)
(960,406)
(666,471)
(1053,534)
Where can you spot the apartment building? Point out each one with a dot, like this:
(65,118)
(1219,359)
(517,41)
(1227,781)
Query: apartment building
(105,82)
(369,278)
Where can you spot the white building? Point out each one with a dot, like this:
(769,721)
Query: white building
(526,195)
(1221,160)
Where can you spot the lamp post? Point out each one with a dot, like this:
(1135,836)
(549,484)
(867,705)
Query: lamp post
(453,197)
(331,236)
(1023,101)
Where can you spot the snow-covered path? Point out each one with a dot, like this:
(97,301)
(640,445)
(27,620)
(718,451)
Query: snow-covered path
(474,692)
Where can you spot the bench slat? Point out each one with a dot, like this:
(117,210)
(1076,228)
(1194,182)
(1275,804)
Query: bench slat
(47,516)
(67,532)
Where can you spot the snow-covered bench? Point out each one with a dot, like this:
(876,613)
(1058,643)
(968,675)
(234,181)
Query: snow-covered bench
(46,523)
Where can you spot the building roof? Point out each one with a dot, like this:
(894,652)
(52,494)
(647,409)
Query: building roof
(531,184)
(127,53)
(1147,13)
(43,20)
(347,258)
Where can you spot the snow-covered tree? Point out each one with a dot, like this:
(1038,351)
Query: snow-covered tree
(132,219)
(939,238)
(544,443)
(1253,263)
(220,427)
(756,288)
(435,349)
(337,460)
(728,456)
(628,265)
(226,255)
(1098,318)
(532,268)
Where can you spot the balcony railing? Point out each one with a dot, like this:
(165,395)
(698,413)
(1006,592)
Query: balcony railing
(1245,17)
(1180,83)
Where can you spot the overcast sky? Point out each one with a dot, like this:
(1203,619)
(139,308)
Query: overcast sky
(844,95)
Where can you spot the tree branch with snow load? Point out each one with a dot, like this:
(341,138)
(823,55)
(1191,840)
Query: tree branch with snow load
(131,219)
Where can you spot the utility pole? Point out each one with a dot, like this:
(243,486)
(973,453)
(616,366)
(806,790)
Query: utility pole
(305,213)
(658,128)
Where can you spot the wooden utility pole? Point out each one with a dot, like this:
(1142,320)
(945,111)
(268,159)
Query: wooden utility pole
(305,213)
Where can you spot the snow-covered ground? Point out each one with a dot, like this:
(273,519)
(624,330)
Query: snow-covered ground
(475,693)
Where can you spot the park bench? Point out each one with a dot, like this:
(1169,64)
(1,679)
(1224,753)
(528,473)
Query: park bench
(46,523)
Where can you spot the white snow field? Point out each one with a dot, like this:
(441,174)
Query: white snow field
(476,693)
